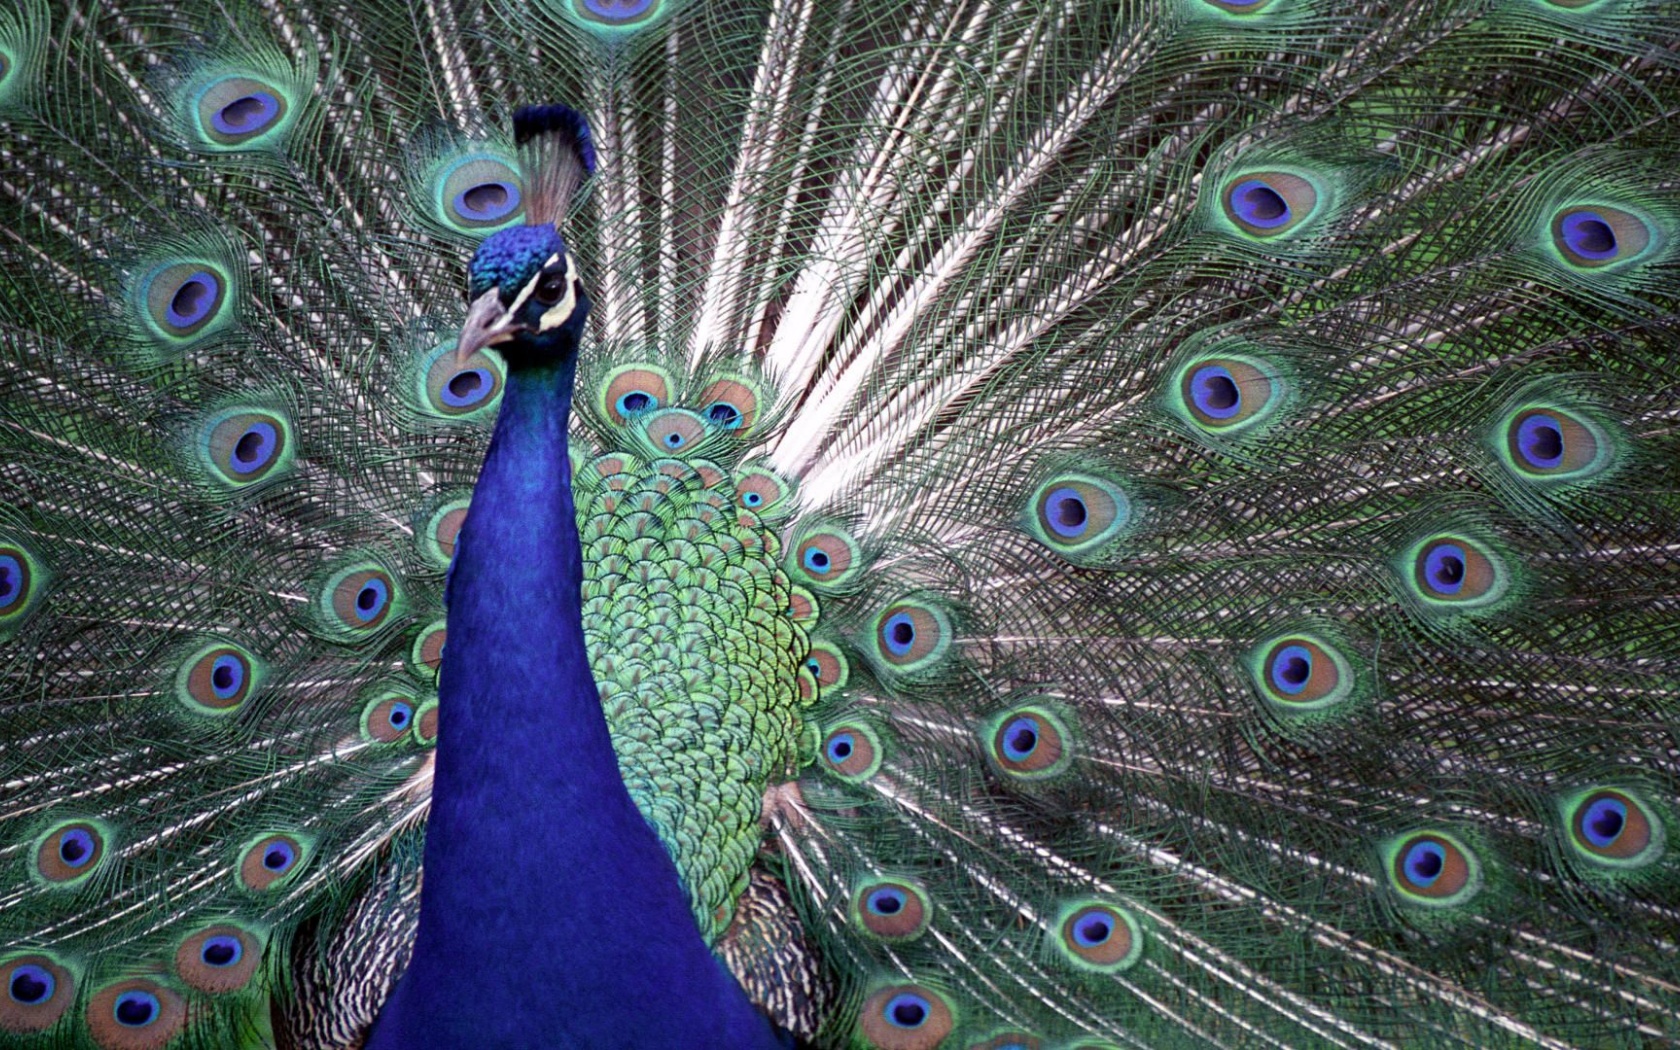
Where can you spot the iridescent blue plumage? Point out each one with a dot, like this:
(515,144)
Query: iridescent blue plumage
(534,847)
(508,260)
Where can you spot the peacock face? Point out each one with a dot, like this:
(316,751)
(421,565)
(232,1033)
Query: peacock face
(526,297)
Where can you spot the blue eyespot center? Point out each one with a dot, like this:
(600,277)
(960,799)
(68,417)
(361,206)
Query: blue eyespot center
(1604,821)
(11,580)
(254,448)
(1589,236)
(371,599)
(887,901)
(1540,438)
(279,856)
(817,561)
(1259,205)
(899,634)
(1424,863)
(636,401)
(1066,513)
(1215,392)
(1093,930)
(246,114)
(752,499)
(1020,739)
(75,847)
(193,300)
(907,1010)
(487,201)
(674,440)
(1291,669)
(1444,568)
(221,951)
(31,985)
(136,1009)
(467,387)
(618,10)
(400,715)
(840,747)
(724,414)
(227,675)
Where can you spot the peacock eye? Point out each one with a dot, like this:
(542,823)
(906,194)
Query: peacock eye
(550,287)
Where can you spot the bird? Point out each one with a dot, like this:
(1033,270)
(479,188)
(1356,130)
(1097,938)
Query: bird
(1067,524)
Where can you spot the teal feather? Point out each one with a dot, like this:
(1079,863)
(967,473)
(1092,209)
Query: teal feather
(1131,523)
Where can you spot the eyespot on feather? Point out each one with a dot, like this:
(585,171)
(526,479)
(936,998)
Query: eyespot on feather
(1545,444)
(1097,936)
(1029,742)
(70,852)
(851,751)
(389,717)
(217,679)
(802,606)
(1453,569)
(1301,672)
(358,600)
(426,655)
(441,530)
(241,447)
(1432,869)
(826,558)
(181,301)
(22,582)
(1267,204)
(674,431)
(632,390)
(905,1017)
(1595,236)
(1226,395)
(759,490)
(478,193)
(611,17)
(426,724)
(1077,514)
(911,636)
(730,404)
(218,959)
(891,909)
(828,665)
(136,1014)
(240,112)
(268,861)
(451,389)
(1240,8)
(39,991)
(1612,828)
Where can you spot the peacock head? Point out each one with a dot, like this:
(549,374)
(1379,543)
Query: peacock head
(526,297)
(524,288)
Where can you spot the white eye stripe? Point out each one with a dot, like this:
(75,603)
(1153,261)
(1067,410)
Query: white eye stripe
(562,310)
(531,285)
(557,314)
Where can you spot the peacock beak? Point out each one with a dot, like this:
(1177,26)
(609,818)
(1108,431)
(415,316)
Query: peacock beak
(487,323)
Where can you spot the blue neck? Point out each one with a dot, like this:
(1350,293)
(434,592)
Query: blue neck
(551,914)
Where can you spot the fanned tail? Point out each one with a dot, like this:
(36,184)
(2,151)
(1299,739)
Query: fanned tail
(1198,478)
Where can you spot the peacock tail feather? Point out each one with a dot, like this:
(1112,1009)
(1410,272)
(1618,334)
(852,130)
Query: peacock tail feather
(1129,523)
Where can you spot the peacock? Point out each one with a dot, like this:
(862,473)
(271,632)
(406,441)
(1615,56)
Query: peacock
(911,524)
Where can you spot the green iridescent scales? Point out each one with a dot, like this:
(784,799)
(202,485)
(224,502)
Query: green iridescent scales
(685,611)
